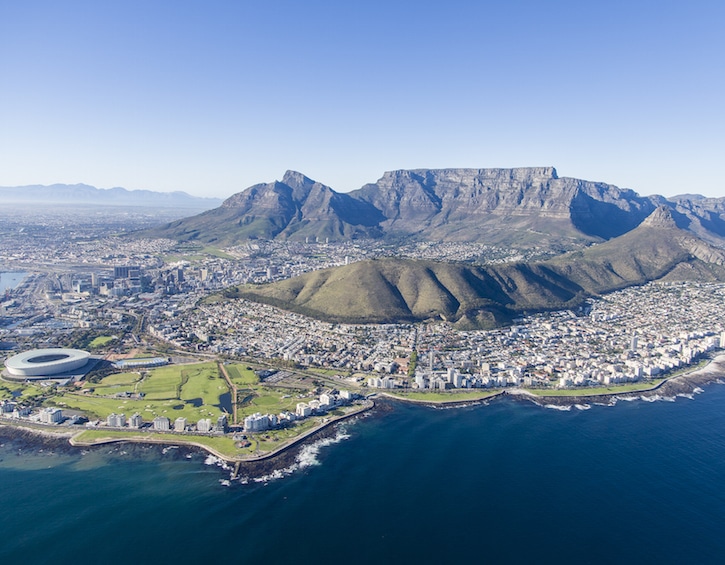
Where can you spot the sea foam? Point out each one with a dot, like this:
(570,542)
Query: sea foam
(307,457)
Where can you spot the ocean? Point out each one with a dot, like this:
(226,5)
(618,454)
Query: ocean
(10,280)
(509,482)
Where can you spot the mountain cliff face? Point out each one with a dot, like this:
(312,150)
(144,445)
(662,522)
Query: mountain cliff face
(401,290)
(295,208)
(523,207)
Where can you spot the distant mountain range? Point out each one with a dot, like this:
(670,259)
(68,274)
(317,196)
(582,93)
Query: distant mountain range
(526,207)
(405,290)
(90,195)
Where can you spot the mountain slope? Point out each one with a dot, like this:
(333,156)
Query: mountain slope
(297,207)
(523,207)
(90,195)
(399,290)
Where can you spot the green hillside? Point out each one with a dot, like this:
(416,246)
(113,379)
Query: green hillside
(400,290)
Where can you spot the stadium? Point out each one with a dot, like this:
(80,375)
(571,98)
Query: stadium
(44,363)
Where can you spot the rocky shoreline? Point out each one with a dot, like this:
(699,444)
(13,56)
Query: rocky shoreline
(27,437)
(42,440)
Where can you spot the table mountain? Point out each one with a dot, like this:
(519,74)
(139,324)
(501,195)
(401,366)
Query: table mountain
(525,207)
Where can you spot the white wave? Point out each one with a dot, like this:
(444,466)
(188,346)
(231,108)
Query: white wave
(225,482)
(669,398)
(582,406)
(212,460)
(307,457)
(697,390)
(628,398)
(555,407)
(653,398)
(612,402)
(686,395)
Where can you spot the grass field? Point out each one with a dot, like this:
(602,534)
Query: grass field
(100,341)
(163,383)
(195,254)
(256,397)
(27,391)
(189,391)
(594,391)
(242,375)
(269,400)
(113,384)
(446,396)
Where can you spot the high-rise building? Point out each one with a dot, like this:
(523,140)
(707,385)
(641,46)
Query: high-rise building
(116,420)
(126,272)
(162,423)
(51,415)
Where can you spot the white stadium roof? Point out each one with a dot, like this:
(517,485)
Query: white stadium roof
(46,362)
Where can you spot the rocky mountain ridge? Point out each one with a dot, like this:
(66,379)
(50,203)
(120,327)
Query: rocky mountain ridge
(526,207)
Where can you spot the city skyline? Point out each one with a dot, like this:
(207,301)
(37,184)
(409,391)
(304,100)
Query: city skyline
(213,99)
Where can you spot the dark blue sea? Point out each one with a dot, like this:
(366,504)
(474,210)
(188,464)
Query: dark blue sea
(511,482)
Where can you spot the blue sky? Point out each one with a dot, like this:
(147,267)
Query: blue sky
(211,97)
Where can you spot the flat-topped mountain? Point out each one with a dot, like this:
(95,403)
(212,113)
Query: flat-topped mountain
(523,206)
(401,290)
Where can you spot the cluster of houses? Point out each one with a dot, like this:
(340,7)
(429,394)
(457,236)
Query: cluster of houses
(634,364)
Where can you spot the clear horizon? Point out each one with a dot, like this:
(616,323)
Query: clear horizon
(211,99)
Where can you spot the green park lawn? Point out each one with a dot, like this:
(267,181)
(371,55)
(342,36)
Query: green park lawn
(446,396)
(162,383)
(113,384)
(242,375)
(269,400)
(27,390)
(189,391)
(100,341)
(594,391)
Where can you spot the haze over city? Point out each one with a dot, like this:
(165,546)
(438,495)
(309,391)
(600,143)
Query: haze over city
(211,98)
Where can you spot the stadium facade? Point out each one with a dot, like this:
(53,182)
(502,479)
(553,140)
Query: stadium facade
(43,363)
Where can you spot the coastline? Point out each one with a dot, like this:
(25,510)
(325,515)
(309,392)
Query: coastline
(69,437)
(677,385)
(683,384)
